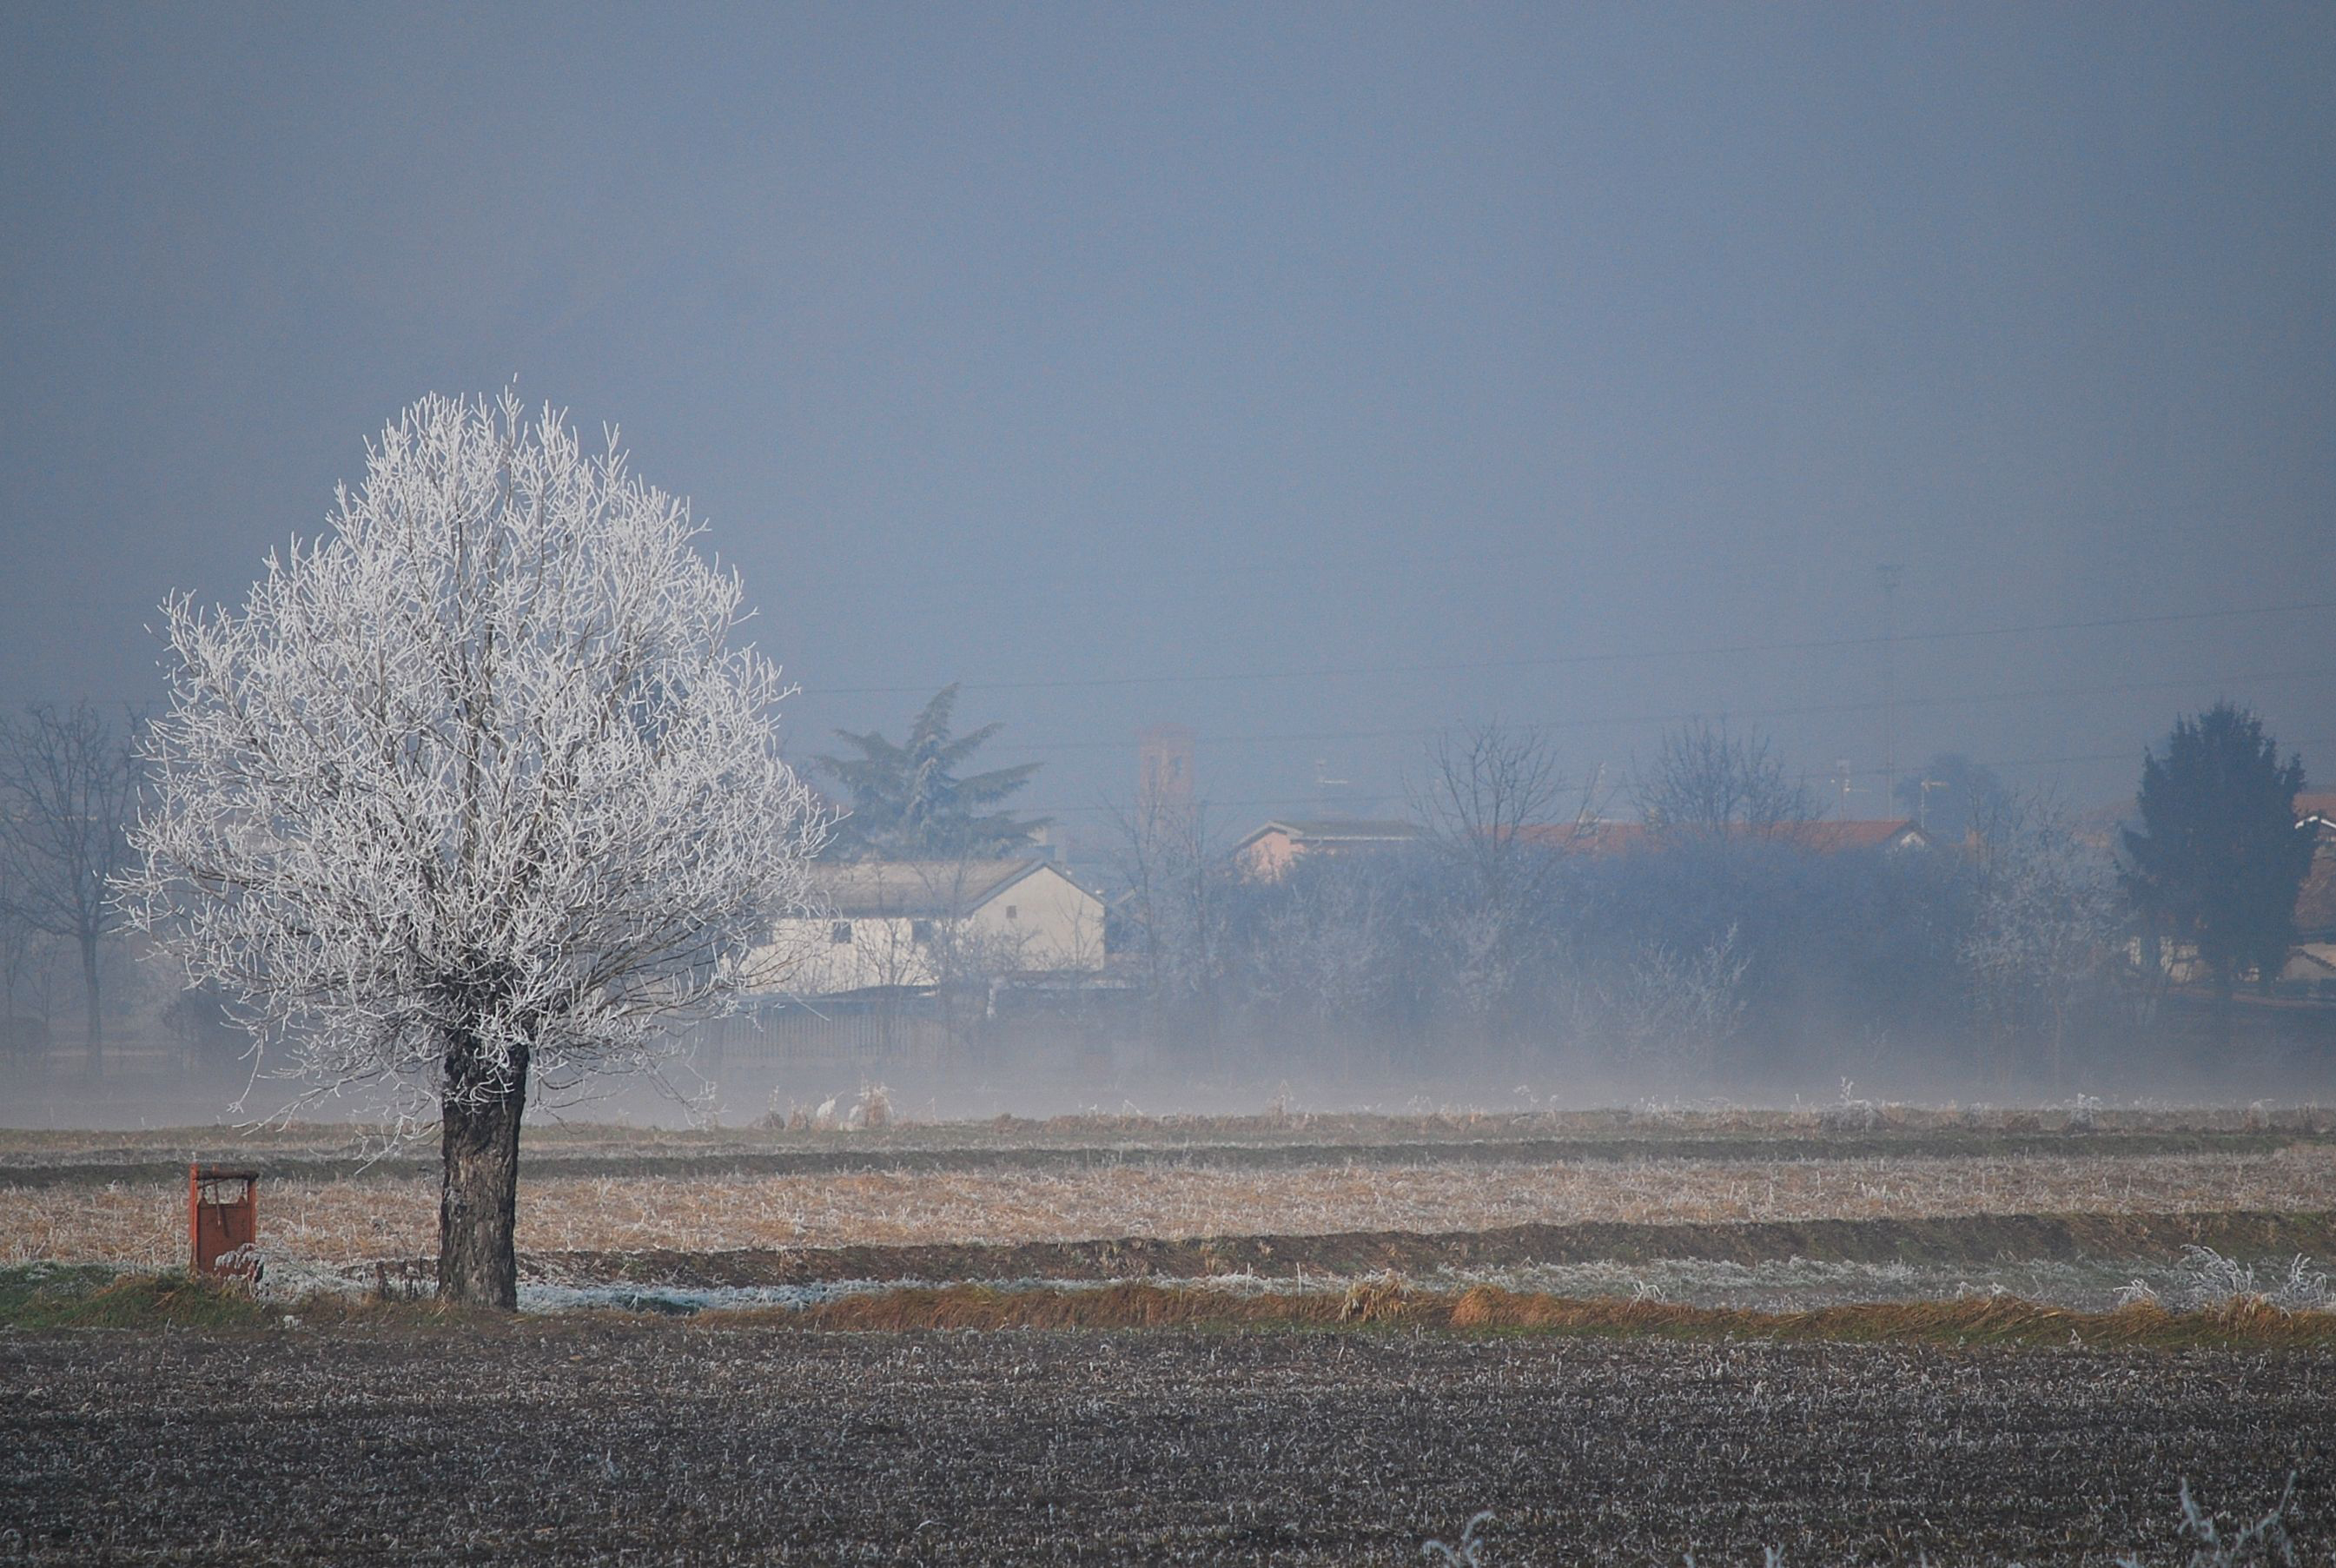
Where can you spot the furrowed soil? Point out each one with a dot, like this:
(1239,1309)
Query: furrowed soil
(594,1439)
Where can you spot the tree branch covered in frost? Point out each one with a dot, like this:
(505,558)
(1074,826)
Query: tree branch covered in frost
(1675,1010)
(479,764)
(2047,918)
(1327,940)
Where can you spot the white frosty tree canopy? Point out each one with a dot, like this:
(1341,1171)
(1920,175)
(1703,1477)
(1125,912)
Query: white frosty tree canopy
(479,770)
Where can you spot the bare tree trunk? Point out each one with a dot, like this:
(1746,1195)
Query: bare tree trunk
(477,1203)
(88,981)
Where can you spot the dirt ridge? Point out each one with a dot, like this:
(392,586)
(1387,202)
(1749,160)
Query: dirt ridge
(1132,1304)
(1959,1239)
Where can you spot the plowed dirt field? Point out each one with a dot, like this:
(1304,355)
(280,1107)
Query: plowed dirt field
(591,1441)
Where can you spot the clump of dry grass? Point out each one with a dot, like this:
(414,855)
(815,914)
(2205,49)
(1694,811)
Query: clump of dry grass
(1375,1298)
(340,1222)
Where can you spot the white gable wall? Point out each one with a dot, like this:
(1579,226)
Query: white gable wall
(1044,922)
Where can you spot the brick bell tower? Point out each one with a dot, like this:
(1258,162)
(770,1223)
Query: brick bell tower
(1164,771)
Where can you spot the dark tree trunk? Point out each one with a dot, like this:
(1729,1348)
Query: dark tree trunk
(478,1202)
(88,981)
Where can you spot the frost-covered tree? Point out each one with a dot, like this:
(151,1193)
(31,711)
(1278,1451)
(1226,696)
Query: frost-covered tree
(2046,921)
(1673,1012)
(475,794)
(1324,948)
(1175,915)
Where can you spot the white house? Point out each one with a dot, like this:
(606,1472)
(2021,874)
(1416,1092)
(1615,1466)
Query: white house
(921,923)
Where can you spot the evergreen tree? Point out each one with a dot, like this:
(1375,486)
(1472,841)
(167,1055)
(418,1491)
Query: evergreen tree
(909,803)
(2220,856)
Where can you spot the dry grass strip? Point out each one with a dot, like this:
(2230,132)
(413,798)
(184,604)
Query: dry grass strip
(144,1225)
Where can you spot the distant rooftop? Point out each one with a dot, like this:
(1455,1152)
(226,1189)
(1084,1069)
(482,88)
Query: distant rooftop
(1322,830)
(919,889)
(1824,837)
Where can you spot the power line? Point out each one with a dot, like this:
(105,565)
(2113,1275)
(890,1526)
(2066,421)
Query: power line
(1721,650)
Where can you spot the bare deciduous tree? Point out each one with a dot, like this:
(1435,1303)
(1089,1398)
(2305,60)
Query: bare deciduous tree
(1708,783)
(1325,950)
(475,794)
(68,788)
(1493,803)
(1492,800)
(28,966)
(1174,912)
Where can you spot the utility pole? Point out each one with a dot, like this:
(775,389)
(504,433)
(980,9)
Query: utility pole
(1890,573)
(1842,775)
(1923,807)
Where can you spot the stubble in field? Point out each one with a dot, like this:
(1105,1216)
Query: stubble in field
(356,1219)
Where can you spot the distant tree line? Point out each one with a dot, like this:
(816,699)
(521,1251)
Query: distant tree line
(1732,940)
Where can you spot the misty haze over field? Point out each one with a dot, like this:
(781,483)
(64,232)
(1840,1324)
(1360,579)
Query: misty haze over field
(1877,384)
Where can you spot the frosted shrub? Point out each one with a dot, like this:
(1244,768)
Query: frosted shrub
(2213,1546)
(2211,1280)
(1472,1543)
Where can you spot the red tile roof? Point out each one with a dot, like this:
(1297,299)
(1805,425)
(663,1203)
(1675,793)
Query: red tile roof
(1820,837)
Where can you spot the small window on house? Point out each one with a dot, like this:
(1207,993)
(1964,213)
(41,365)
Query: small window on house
(840,932)
(1013,911)
(921,930)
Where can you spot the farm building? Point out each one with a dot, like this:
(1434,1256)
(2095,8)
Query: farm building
(915,924)
(1267,853)
(2312,965)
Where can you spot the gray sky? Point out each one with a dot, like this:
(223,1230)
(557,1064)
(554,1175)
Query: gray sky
(1489,360)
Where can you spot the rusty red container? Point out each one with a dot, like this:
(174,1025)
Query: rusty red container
(223,1220)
